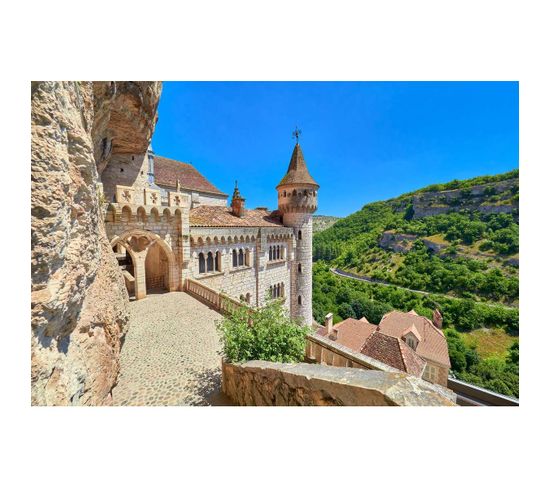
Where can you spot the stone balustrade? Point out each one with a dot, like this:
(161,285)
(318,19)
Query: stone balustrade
(219,301)
(322,350)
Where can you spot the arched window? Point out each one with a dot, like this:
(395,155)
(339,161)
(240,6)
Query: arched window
(284,193)
(202,267)
(299,267)
(294,193)
(141,215)
(247,257)
(210,262)
(299,299)
(279,290)
(241,257)
(218,261)
(235,263)
(299,235)
(278,252)
(270,253)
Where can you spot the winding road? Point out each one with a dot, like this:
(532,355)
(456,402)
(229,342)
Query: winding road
(353,276)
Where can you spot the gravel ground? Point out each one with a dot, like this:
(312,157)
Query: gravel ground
(170,355)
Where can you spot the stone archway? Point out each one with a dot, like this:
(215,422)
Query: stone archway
(138,243)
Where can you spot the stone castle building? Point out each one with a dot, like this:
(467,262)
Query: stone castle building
(168,224)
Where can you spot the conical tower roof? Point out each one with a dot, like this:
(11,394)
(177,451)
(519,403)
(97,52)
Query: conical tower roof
(297,173)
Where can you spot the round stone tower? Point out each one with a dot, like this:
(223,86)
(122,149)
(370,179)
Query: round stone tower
(297,202)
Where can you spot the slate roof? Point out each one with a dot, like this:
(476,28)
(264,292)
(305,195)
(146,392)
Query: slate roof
(297,172)
(168,171)
(217,216)
(432,345)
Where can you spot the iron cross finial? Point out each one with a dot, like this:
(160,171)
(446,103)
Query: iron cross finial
(296,134)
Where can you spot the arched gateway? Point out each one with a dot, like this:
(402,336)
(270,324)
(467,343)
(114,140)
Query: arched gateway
(153,262)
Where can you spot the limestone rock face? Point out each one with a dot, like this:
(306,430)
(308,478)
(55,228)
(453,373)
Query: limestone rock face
(78,298)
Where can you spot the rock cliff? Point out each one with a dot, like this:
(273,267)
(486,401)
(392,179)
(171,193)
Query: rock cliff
(78,298)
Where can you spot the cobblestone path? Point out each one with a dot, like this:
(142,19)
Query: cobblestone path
(171,354)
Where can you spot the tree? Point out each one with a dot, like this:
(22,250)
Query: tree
(266,333)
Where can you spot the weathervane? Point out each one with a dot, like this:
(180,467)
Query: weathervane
(296,134)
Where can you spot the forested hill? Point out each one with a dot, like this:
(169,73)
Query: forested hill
(460,238)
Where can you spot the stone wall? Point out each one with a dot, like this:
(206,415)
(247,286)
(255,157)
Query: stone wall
(126,170)
(301,306)
(78,297)
(262,383)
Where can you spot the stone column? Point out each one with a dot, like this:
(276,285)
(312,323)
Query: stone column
(140,285)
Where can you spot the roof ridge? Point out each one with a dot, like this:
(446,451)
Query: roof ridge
(402,355)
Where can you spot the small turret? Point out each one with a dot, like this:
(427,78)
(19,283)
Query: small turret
(237,202)
(297,190)
(297,194)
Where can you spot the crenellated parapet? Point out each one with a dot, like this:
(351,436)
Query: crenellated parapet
(298,199)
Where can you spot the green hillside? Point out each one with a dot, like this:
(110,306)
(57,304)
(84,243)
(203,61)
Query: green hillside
(459,243)
(459,239)
(323,222)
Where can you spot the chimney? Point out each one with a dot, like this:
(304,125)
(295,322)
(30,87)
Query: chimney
(437,319)
(328,323)
(237,203)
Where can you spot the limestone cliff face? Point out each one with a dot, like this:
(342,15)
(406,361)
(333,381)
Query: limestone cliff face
(78,298)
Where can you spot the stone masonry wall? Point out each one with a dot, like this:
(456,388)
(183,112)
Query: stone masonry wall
(262,383)
(78,297)
(237,282)
(301,282)
(126,170)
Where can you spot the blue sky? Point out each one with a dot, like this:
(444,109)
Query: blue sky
(363,141)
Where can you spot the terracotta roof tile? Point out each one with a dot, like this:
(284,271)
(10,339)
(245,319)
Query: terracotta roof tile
(168,171)
(217,216)
(393,352)
(352,333)
(432,345)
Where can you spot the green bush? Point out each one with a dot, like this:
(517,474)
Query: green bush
(266,333)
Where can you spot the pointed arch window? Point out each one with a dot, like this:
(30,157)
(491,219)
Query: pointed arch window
(218,261)
(270,253)
(235,262)
(202,267)
(241,257)
(210,262)
(299,235)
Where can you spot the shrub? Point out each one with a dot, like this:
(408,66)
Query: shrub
(266,333)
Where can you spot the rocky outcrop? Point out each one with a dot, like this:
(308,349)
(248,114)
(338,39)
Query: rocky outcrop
(397,242)
(476,198)
(262,383)
(78,298)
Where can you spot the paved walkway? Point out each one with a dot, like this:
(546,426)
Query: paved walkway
(170,355)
